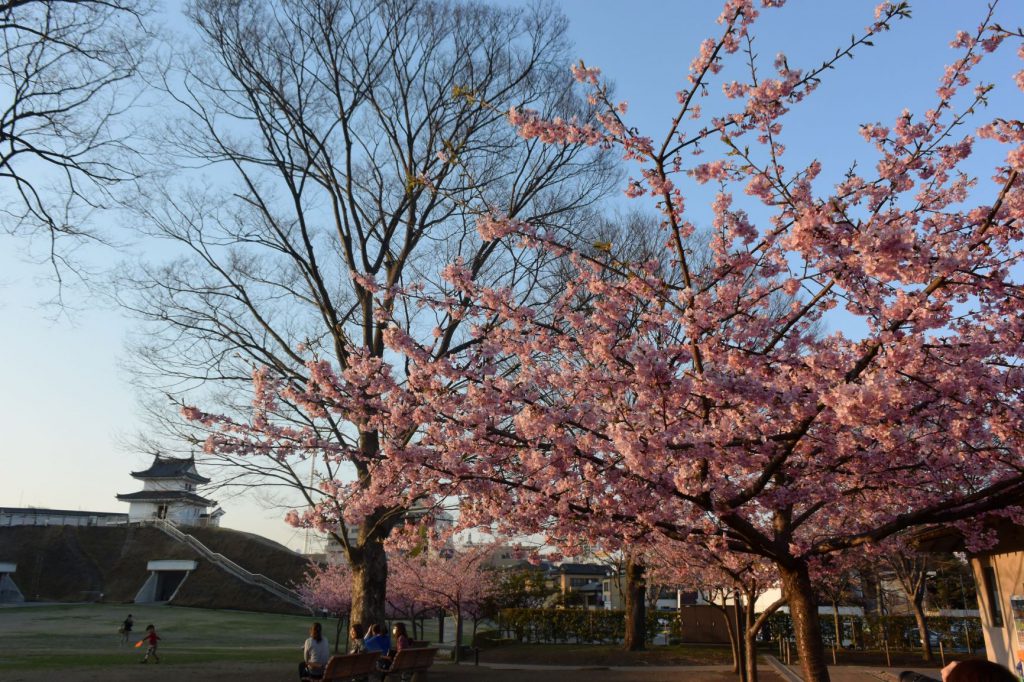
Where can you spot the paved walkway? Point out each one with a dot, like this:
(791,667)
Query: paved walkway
(852,673)
(623,668)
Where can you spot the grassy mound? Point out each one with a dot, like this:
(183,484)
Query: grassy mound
(71,564)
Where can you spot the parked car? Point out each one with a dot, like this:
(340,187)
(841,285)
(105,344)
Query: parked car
(912,636)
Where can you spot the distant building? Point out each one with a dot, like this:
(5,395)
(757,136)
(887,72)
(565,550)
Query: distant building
(169,493)
(34,516)
(582,584)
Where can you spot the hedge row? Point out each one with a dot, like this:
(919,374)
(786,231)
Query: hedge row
(570,625)
(872,631)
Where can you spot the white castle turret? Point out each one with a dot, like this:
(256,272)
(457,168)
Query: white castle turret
(169,493)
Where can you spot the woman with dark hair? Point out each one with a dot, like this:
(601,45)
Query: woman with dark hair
(355,635)
(976,670)
(402,640)
(315,653)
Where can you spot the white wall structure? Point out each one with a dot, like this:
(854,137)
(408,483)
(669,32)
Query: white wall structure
(165,578)
(9,592)
(169,493)
(35,516)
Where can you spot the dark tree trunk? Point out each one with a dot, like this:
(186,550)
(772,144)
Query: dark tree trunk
(440,626)
(341,626)
(802,607)
(369,582)
(457,656)
(922,629)
(740,626)
(882,615)
(733,644)
(636,606)
(750,630)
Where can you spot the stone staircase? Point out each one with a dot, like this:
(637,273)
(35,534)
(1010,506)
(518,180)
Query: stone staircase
(226,564)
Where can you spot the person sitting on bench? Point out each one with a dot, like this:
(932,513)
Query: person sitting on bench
(377,639)
(315,654)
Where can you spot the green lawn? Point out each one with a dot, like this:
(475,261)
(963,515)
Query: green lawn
(62,635)
(85,635)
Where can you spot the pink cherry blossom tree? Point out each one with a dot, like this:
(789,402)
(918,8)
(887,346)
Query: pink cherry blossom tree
(327,589)
(720,576)
(689,402)
(457,581)
(696,399)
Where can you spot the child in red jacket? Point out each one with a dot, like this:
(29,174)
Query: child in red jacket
(151,639)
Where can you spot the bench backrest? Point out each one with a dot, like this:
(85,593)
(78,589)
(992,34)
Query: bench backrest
(344,667)
(413,659)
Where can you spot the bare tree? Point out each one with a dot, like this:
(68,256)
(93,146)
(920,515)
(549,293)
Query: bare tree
(65,71)
(911,571)
(347,144)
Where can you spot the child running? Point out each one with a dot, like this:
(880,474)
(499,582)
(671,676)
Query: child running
(151,639)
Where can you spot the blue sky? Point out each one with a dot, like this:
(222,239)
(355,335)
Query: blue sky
(66,405)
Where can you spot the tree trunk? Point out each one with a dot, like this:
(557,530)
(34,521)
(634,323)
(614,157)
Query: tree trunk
(369,583)
(750,630)
(754,625)
(342,623)
(806,628)
(837,624)
(724,610)
(922,629)
(750,659)
(440,627)
(636,611)
(739,624)
(883,618)
(457,655)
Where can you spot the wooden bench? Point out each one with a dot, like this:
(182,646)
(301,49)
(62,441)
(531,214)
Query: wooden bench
(412,664)
(351,666)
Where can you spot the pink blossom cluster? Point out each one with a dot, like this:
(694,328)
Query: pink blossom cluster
(697,394)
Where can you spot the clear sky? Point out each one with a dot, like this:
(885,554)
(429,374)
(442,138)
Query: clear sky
(66,408)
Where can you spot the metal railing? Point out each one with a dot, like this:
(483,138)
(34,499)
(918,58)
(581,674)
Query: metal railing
(257,579)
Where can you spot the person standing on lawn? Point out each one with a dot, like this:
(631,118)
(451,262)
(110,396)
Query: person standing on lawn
(126,629)
(151,639)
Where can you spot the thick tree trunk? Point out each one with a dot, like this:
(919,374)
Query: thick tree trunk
(636,606)
(457,656)
(922,629)
(802,607)
(440,626)
(369,567)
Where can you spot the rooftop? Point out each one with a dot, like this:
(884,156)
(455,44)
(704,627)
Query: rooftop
(166,496)
(43,511)
(172,467)
(583,569)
